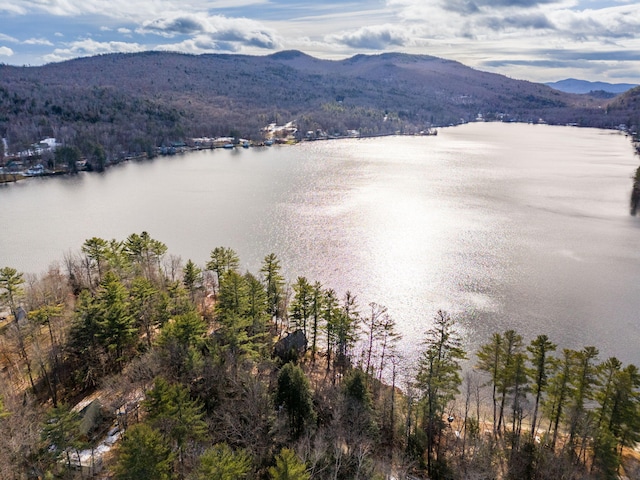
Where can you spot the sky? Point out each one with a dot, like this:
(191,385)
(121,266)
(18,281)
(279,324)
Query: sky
(536,40)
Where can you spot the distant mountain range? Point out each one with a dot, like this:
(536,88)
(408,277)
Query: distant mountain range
(571,85)
(128,103)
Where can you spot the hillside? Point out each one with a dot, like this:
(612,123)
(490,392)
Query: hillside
(127,103)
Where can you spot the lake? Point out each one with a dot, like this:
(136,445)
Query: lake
(502,225)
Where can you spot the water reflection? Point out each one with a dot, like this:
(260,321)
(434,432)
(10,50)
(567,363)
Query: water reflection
(635,192)
(504,226)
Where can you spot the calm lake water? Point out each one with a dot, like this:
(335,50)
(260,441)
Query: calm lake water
(502,225)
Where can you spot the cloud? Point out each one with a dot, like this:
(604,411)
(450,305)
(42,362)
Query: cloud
(184,25)
(124,31)
(535,21)
(88,47)
(612,23)
(219,29)
(38,41)
(137,10)
(378,37)
(8,38)
(5,52)
(199,45)
(469,6)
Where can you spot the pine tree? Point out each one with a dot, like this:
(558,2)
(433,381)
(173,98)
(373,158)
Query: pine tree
(11,288)
(143,453)
(316,315)
(490,361)
(302,305)
(116,330)
(288,467)
(223,260)
(438,378)
(96,250)
(293,394)
(61,432)
(233,298)
(221,463)
(541,365)
(192,278)
(172,411)
(146,306)
(274,284)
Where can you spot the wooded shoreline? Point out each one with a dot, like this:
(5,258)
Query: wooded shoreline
(159,337)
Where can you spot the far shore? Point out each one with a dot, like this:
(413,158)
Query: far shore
(181,147)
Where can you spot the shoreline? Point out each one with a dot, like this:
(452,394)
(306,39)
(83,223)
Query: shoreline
(178,148)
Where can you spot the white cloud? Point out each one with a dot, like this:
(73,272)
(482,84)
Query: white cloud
(121,9)
(88,47)
(124,31)
(5,52)
(8,38)
(38,41)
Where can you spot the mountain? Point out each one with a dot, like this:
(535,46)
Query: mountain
(571,85)
(128,103)
(628,102)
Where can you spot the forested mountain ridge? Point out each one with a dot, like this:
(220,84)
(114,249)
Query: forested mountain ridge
(134,102)
(572,85)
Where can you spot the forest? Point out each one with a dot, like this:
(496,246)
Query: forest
(122,105)
(125,362)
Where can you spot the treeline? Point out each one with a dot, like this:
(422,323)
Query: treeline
(130,103)
(209,372)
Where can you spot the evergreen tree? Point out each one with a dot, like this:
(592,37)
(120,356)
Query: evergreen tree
(96,250)
(583,380)
(605,456)
(274,284)
(509,370)
(144,253)
(222,463)
(541,365)
(288,467)
(330,317)
(143,454)
(116,330)
(438,379)
(10,288)
(147,307)
(624,421)
(84,346)
(172,411)
(61,432)
(223,260)
(302,304)
(607,372)
(293,394)
(490,361)
(192,278)
(233,299)
(187,330)
(345,331)
(317,297)
(256,308)
(559,392)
